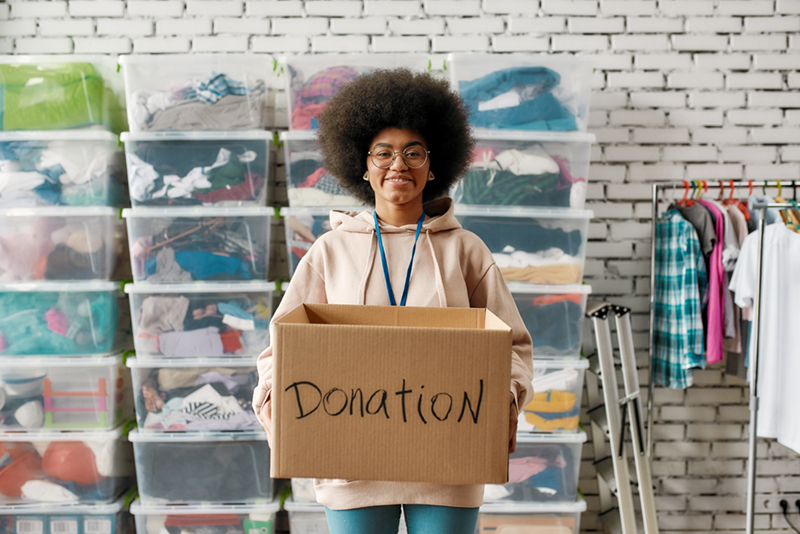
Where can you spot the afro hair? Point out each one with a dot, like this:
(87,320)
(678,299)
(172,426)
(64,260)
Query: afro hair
(397,98)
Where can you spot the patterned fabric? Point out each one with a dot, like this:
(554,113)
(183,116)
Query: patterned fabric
(325,84)
(215,87)
(680,282)
(205,410)
(328,184)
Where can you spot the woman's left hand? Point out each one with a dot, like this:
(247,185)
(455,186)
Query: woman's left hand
(512,426)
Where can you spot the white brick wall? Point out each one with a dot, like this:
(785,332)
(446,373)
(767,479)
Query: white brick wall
(684,89)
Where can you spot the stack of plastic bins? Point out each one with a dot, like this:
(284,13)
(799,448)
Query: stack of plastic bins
(524,195)
(198,159)
(62,382)
(46,518)
(247,519)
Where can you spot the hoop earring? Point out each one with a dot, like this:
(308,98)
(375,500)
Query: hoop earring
(431,177)
(366,176)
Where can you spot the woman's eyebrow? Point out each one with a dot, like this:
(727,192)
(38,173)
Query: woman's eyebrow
(388,145)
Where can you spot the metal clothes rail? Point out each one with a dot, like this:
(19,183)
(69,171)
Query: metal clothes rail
(753,406)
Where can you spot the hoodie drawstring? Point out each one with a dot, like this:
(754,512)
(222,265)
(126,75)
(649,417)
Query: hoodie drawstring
(362,291)
(437,272)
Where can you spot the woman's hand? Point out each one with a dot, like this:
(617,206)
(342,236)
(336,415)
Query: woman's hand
(512,426)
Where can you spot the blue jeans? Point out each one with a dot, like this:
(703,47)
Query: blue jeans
(420,519)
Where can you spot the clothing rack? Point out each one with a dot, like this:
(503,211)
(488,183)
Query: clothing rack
(753,405)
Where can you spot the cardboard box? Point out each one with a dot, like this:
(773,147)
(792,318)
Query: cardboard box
(391,393)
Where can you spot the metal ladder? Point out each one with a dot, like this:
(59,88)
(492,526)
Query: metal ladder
(610,416)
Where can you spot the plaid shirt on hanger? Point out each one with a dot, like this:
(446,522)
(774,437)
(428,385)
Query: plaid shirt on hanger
(680,282)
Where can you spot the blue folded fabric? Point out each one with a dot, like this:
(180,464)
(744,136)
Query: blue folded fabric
(543,112)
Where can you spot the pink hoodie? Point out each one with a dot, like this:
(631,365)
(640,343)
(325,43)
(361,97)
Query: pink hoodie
(452,267)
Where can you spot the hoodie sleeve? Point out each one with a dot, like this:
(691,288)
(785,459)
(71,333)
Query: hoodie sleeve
(307,286)
(493,294)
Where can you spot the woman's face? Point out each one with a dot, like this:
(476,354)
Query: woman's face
(400,185)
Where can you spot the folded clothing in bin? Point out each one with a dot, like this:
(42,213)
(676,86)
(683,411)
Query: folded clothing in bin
(52,96)
(311,97)
(216,102)
(57,320)
(529,177)
(169,249)
(56,243)
(201,320)
(61,168)
(61,468)
(531,252)
(185,173)
(196,398)
(311,185)
(519,98)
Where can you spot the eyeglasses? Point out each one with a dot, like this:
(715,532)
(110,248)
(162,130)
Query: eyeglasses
(414,157)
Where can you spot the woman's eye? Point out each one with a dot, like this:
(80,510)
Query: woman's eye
(383,154)
(413,153)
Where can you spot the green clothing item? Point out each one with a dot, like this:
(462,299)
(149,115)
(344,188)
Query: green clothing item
(230,174)
(64,95)
(91,323)
(509,189)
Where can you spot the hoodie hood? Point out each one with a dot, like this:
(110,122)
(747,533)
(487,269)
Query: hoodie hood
(439,216)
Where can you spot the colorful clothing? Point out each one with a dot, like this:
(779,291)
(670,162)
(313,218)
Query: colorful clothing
(680,280)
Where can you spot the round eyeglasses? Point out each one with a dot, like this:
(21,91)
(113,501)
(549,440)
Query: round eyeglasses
(414,157)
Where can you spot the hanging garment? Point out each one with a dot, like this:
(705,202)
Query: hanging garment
(680,280)
(715,324)
(779,366)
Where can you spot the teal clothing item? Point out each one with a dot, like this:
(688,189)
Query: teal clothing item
(420,519)
(542,111)
(91,323)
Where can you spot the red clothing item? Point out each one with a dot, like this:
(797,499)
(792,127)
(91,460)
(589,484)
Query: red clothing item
(230,341)
(551,299)
(301,117)
(246,190)
(716,292)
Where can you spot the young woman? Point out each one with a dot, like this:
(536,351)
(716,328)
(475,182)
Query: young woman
(398,141)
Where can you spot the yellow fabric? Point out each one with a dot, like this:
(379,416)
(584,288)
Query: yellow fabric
(549,274)
(551,402)
(565,423)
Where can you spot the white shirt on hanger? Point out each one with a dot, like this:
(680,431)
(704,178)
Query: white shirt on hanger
(779,357)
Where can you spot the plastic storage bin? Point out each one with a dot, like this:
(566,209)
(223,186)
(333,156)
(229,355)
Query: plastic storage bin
(58,243)
(200,320)
(61,168)
(202,467)
(196,394)
(524,91)
(63,393)
(205,519)
(538,169)
(313,79)
(48,518)
(64,467)
(185,92)
(193,168)
(532,245)
(303,226)
(59,318)
(558,391)
(174,245)
(531,518)
(60,92)
(544,468)
(307,182)
(553,315)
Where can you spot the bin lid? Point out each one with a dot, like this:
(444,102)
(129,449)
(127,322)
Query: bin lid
(64,508)
(60,286)
(139,436)
(196,211)
(59,135)
(551,439)
(95,360)
(201,287)
(138,508)
(197,136)
(522,211)
(521,287)
(62,211)
(520,507)
(182,363)
(533,136)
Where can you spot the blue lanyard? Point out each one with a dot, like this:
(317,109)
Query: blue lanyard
(386,267)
